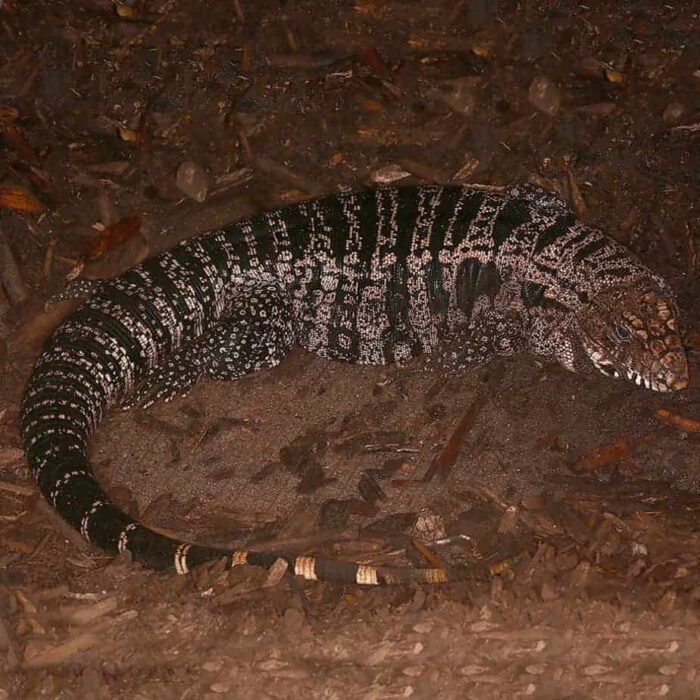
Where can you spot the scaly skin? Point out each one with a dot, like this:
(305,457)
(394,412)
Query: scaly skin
(373,278)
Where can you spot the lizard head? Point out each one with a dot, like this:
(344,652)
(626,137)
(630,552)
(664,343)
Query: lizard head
(631,332)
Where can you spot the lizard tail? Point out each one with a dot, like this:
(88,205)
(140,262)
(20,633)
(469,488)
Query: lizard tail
(93,361)
(61,402)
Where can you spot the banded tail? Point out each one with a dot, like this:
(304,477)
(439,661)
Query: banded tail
(95,360)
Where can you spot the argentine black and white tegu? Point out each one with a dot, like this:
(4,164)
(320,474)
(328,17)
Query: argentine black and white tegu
(374,277)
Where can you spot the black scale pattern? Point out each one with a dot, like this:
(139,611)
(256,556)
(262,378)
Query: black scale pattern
(374,277)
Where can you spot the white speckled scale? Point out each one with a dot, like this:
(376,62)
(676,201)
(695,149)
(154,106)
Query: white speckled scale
(373,277)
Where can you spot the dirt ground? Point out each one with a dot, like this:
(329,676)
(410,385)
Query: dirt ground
(125,127)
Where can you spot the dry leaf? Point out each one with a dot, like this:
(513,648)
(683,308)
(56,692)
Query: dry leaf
(19,198)
(245,63)
(125,11)
(112,236)
(371,57)
(615,76)
(8,115)
(606,455)
(128,135)
(482,51)
(14,137)
(671,418)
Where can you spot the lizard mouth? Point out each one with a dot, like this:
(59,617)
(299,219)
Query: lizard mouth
(602,364)
(656,382)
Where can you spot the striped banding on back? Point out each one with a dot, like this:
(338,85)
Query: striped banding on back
(371,277)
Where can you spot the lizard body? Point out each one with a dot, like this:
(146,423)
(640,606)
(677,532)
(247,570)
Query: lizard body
(373,277)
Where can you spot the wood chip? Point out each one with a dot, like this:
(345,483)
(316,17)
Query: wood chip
(10,275)
(423,170)
(16,488)
(86,614)
(10,455)
(39,654)
(672,418)
(276,573)
(281,172)
(443,464)
(596,109)
(606,455)
(428,554)
(575,196)
(113,236)
(389,173)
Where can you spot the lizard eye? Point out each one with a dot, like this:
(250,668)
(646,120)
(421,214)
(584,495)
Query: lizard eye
(621,332)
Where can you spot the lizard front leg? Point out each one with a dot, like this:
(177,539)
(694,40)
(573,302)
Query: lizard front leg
(258,333)
(488,335)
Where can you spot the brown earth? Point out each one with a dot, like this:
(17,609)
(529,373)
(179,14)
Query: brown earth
(125,127)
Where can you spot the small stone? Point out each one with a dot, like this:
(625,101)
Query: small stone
(272,665)
(673,113)
(388,174)
(535,669)
(596,670)
(414,671)
(473,670)
(425,627)
(429,526)
(220,687)
(212,666)
(192,181)
(544,96)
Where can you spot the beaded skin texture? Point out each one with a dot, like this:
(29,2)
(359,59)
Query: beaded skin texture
(374,277)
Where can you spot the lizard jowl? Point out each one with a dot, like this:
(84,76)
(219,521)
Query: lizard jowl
(374,277)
